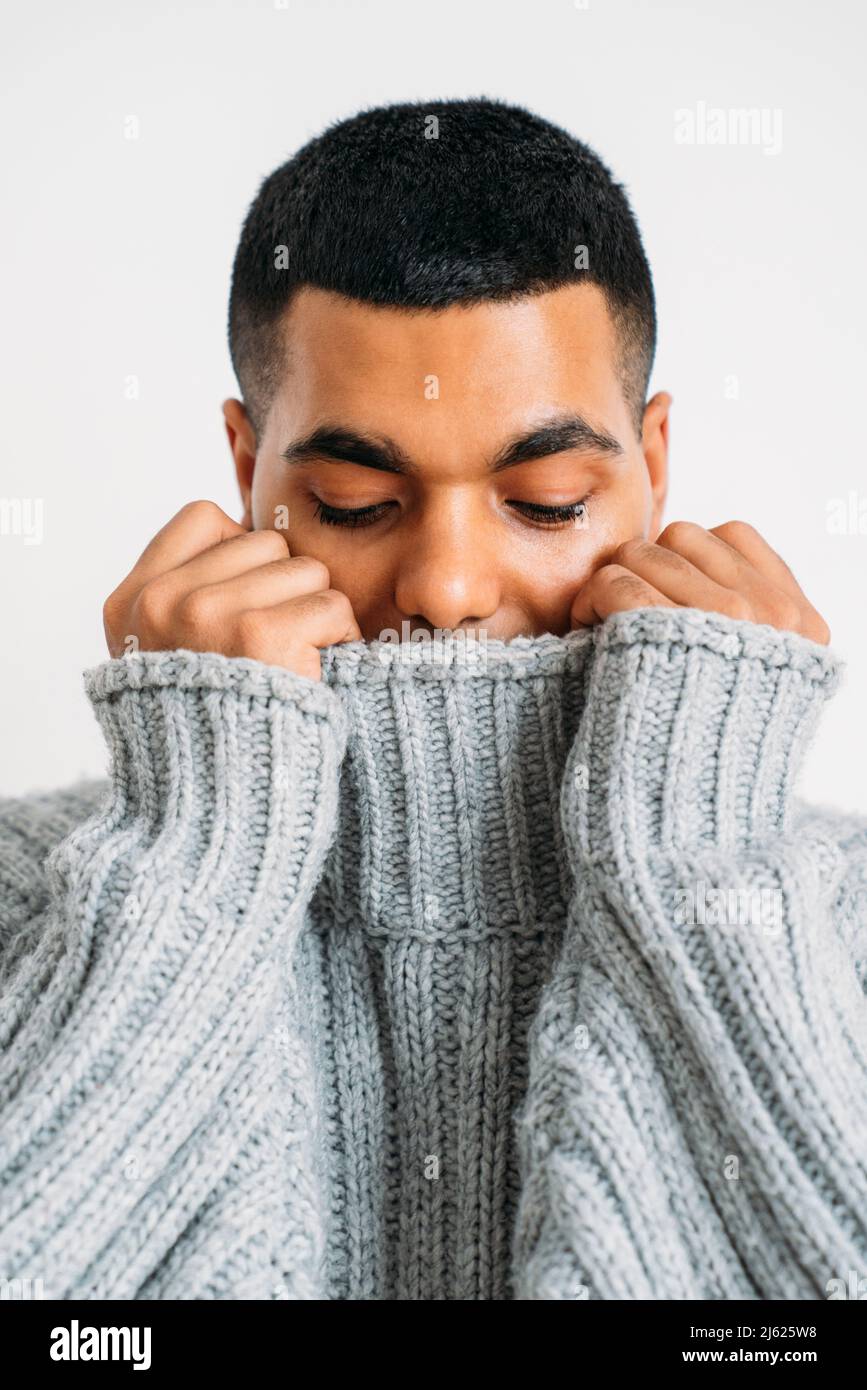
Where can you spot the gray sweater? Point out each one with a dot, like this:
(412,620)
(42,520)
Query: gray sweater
(521,976)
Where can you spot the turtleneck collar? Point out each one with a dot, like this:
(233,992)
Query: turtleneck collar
(450,792)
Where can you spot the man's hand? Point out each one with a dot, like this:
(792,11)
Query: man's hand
(206,584)
(729,569)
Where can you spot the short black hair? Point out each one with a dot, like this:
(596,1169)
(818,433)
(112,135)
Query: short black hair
(424,205)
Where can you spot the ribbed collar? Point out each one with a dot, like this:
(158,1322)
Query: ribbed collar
(449,807)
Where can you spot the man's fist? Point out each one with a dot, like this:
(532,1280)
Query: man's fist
(729,569)
(206,584)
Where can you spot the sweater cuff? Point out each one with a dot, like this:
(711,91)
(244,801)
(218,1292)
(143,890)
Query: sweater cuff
(693,730)
(223,769)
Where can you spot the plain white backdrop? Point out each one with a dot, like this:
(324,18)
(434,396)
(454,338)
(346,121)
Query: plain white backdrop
(136,135)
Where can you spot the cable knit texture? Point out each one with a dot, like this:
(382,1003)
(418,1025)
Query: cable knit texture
(506,972)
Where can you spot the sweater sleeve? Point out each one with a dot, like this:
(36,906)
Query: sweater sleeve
(158,1105)
(696,1117)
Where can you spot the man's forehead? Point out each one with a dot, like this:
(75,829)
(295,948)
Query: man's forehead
(489,352)
(327,320)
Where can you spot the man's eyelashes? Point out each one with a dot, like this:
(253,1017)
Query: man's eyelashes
(534,511)
(349,516)
(552,516)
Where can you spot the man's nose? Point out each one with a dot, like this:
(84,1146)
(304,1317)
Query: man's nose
(448,575)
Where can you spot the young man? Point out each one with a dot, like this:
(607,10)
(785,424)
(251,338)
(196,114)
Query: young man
(495,962)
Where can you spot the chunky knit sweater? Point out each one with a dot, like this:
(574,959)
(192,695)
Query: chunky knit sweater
(515,974)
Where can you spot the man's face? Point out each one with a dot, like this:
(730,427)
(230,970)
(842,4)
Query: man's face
(482,527)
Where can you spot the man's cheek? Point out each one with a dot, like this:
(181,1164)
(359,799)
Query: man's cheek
(625,520)
(563,575)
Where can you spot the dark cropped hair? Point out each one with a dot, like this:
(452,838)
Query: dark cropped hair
(428,204)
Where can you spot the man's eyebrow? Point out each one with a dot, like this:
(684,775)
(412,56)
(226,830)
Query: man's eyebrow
(565,432)
(339,445)
(347,446)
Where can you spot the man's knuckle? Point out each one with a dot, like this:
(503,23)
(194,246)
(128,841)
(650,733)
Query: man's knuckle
(786,613)
(678,533)
(739,607)
(112,609)
(736,530)
(338,603)
(603,576)
(627,586)
(312,573)
(270,542)
(202,508)
(153,601)
(199,609)
(630,550)
(601,581)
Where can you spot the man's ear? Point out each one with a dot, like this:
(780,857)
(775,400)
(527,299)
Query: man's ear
(654,444)
(242,442)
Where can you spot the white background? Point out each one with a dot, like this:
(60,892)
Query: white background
(117,253)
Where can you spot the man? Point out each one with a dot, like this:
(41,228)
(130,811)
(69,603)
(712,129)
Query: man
(510,971)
